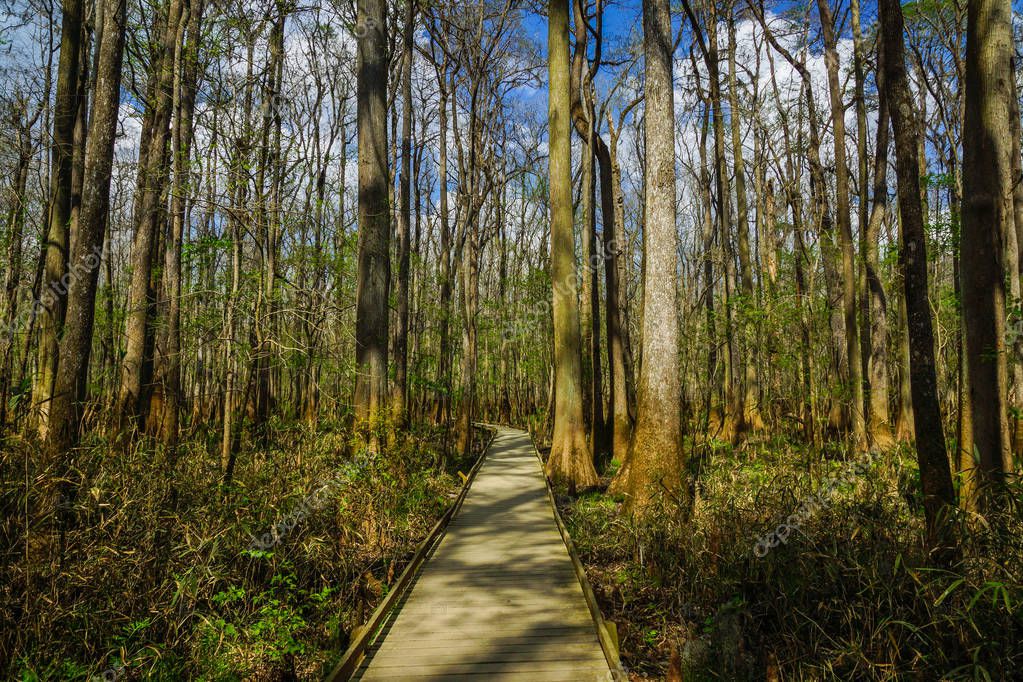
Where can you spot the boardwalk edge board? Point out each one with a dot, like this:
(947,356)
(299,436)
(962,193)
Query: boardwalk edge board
(608,641)
(356,651)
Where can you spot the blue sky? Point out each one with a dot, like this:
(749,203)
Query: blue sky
(620,18)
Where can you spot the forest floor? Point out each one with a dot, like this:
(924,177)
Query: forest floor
(848,595)
(262,581)
(266,579)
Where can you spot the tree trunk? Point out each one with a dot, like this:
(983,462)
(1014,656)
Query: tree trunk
(655,455)
(875,328)
(399,397)
(1016,269)
(52,292)
(374,221)
(591,304)
(733,397)
(149,212)
(622,387)
(76,344)
(987,215)
(470,308)
(181,146)
(935,477)
(713,420)
(569,461)
(845,239)
(444,359)
(749,417)
(16,231)
(905,431)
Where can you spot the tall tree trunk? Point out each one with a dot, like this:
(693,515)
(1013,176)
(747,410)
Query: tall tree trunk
(591,303)
(52,292)
(181,146)
(230,402)
(707,246)
(987,215)
(655,456)
(505,361)
(569,460)
(875,329)
(268,220)
(874,326)
(1015,269)
(935,477)
(619,353)
(749,417)
(149,213)
(237,183)
(12,280)
(444,359)
(470,309)
(584,118)
(732,405)
(76,344)
(399,398)
(843,218)
(374,220)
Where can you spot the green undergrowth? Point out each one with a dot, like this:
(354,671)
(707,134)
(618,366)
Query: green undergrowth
(263,581)
(849,595)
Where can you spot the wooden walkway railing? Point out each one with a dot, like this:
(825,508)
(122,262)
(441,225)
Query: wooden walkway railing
(499,597)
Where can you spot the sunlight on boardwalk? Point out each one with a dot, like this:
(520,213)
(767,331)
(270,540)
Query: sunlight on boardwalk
(499,599)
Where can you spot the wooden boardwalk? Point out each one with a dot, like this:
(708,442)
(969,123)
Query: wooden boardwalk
(499,598)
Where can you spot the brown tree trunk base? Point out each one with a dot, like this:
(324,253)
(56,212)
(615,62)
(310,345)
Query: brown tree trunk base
(904,432)
(647,472)
(570,463)
(880,435)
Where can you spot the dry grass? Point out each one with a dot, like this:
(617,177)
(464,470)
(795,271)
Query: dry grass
(162,581)
(849,596)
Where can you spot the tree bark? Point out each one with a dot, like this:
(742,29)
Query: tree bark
(12,280)
(843,218)
(749,416)
(620,376)
(52,292)
(181,148)
(373,283)
(875,330)
(935,476)
(569,462)
(655,455)
(444,361)
(399,396)
(153,180)
(76,344)
(987,215)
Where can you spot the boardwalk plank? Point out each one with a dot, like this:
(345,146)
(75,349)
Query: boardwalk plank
(499,598)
